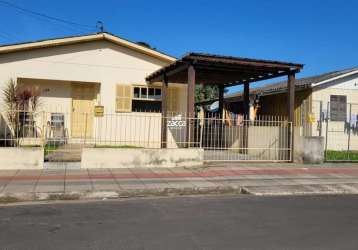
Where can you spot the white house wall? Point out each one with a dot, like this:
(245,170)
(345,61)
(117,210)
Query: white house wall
(347,86)
(94,62)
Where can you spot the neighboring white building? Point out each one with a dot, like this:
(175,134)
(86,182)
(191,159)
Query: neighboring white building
(332,96)
(76,74)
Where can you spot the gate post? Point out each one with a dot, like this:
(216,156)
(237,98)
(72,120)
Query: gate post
(349,130)
(327,122)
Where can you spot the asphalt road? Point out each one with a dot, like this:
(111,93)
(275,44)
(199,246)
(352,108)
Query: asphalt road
(245,222)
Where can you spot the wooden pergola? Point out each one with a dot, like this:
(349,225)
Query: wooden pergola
(223,71)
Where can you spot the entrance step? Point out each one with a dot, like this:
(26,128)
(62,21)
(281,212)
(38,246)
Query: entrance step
(64,153)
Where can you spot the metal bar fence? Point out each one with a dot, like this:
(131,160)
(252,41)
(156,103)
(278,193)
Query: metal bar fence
(229,138)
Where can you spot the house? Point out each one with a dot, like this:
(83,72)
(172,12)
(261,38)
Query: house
(103,90)
(330,98)
(76,75)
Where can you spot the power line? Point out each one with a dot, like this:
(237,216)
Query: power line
(46,16)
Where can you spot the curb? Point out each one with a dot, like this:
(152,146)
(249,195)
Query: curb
(296,190)
(101,195)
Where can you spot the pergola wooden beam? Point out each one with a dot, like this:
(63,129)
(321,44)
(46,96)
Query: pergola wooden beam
(223,71)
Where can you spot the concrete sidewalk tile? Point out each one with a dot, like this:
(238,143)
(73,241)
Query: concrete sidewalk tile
(163,172)
(105,185)
(53,174)
(258,183)
(131,184)
(29,172)
(194,177)
(50,186)
(103,180)
(100,174)
(181,184)
(155,183)
(77,180)
(24,186)
(7,173)
(78,186)
(122,173)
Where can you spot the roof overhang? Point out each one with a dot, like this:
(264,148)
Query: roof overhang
(320,83)
(86,38)
(226,70)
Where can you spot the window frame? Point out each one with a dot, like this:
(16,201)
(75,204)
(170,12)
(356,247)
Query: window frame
(141,87)
(334,114)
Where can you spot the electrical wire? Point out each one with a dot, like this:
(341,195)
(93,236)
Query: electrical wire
(83,26)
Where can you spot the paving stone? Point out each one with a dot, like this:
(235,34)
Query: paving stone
(78,186)
(130,184)
(51,186)
(20,187)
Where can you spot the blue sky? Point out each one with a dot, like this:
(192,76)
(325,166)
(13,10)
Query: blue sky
(321,34)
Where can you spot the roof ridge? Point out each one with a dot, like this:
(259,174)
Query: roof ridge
(98,35)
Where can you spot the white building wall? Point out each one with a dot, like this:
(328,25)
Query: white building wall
(97,62)
(337,137)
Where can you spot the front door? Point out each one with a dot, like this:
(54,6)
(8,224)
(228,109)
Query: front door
(83,96)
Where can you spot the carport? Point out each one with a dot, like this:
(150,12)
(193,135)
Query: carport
(223,71)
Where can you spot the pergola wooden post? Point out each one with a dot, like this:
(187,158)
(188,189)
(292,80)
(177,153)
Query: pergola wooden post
(164,128)
(190,104)
(225,71)
(221,100)
(246,100)
(245,140)
(291,109)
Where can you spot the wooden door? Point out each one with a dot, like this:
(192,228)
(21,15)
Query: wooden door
(83,96)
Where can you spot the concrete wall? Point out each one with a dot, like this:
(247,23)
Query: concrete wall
(129,158)
(21,158)
(309,149)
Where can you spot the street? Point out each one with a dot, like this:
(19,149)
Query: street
(225,222)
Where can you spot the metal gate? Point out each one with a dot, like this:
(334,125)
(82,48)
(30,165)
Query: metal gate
(237,139)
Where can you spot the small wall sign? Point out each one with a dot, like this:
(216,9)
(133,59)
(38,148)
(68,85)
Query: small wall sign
(98,111)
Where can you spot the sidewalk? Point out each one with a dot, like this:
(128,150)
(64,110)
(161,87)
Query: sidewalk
(253,178)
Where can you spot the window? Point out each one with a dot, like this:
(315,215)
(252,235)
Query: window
(123,98)
(338,107)
(147,99)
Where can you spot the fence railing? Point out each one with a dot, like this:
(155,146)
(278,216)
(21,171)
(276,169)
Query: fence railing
(230,138)
(338,123)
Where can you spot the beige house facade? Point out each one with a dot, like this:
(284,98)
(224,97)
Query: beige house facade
(76,76)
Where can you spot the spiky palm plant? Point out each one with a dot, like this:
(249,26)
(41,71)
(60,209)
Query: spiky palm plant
(11,105)
(19,100)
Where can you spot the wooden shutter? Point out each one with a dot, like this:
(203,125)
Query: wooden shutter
(123,98)
(173,99)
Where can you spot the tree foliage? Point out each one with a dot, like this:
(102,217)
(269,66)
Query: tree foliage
(205,93)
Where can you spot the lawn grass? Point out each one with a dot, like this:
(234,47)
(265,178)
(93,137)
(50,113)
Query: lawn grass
(50,147)
(332,155)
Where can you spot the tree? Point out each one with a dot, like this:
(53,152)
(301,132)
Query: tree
(145,44)
(206,93)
